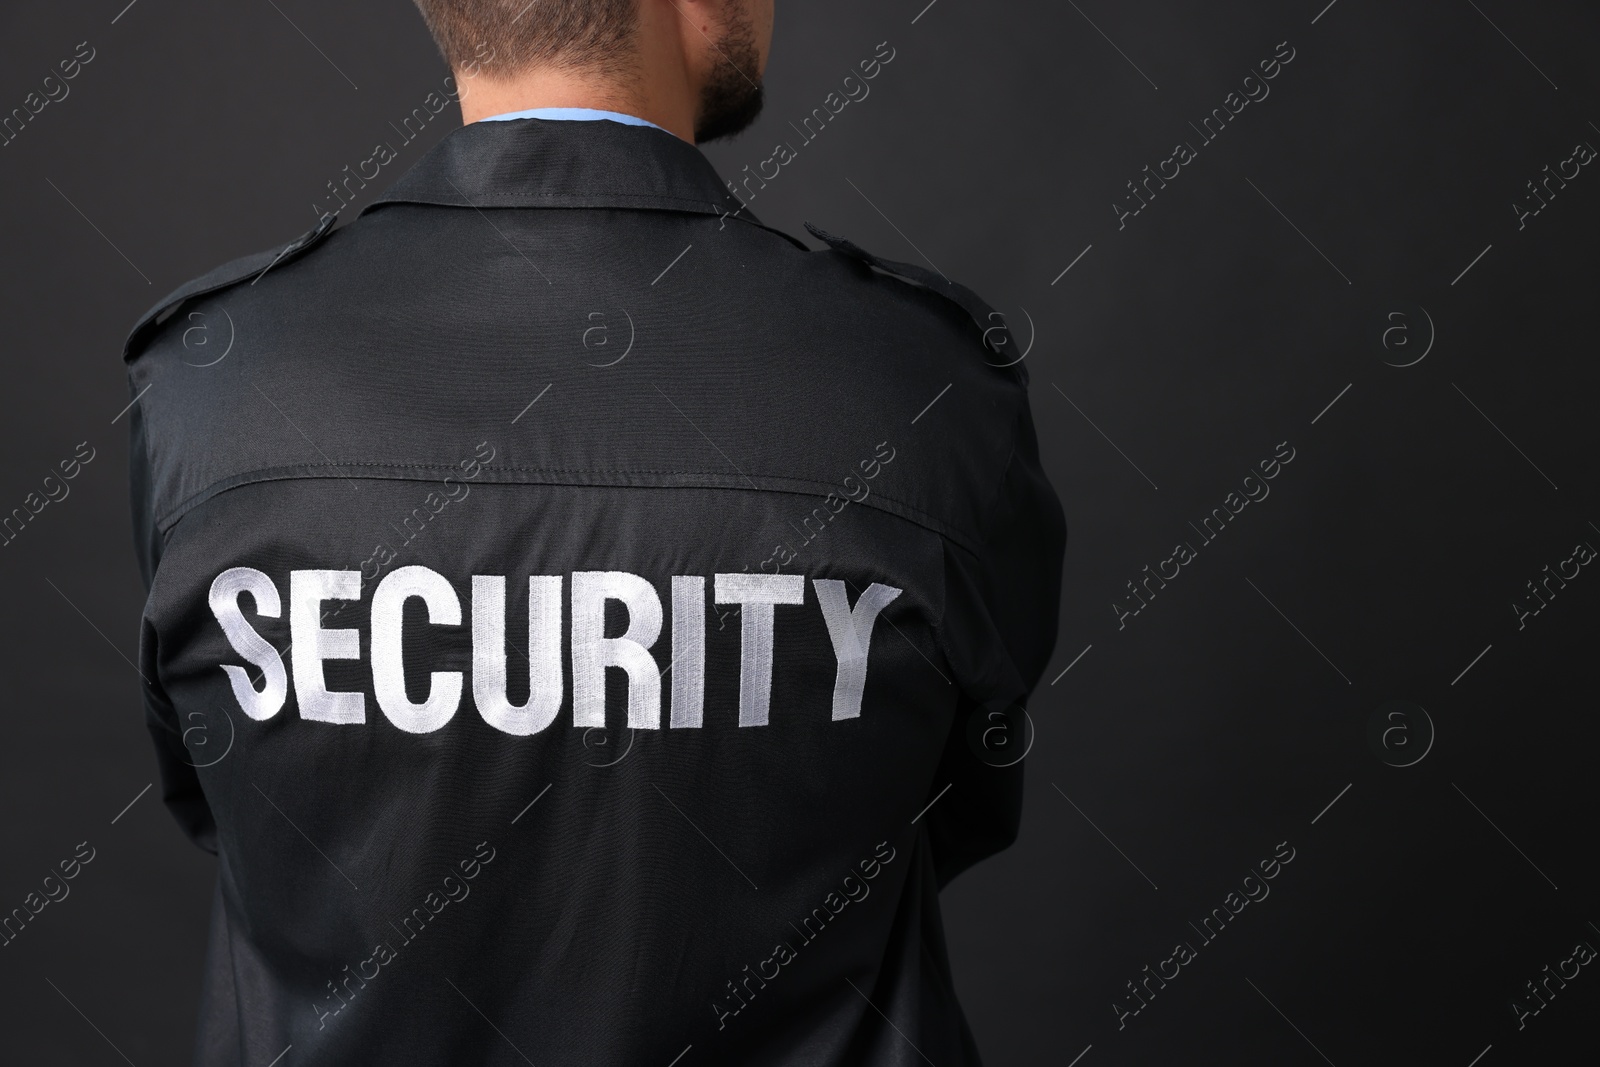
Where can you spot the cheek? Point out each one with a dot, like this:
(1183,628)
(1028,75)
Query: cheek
(764,15)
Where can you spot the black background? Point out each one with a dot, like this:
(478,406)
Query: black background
(1221,720)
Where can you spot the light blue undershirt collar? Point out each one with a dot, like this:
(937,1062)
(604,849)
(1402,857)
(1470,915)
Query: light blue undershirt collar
(573,114)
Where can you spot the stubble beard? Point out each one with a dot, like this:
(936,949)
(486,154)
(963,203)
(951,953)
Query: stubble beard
(733,96)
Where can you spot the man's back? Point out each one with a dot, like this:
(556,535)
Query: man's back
(571,601)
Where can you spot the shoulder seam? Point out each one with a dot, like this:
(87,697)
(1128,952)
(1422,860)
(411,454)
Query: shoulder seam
(982,315)
(222,277)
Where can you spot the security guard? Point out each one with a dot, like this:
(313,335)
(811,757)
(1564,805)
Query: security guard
(580,617)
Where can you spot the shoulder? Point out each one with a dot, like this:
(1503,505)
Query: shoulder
(979,333)
(243,270)
(921,358)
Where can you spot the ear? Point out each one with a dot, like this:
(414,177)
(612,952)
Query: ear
(694,24)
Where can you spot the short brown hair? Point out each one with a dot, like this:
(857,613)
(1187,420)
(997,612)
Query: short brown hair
(506,37)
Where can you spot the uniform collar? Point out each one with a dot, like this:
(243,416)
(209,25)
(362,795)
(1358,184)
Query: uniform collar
(572,114)
(540,163)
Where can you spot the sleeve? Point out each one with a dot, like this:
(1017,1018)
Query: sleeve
(180,782)
(1002,605)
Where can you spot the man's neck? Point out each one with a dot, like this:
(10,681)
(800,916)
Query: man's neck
(655,84)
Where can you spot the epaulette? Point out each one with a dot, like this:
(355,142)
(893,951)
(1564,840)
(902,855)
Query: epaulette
(997,337)
(222,277)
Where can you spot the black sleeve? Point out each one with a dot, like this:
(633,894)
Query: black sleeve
(999,630)
(180,783)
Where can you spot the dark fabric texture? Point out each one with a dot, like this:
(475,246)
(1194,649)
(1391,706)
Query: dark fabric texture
(557,350)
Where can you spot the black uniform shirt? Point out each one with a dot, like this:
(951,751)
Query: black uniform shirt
(579,618)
